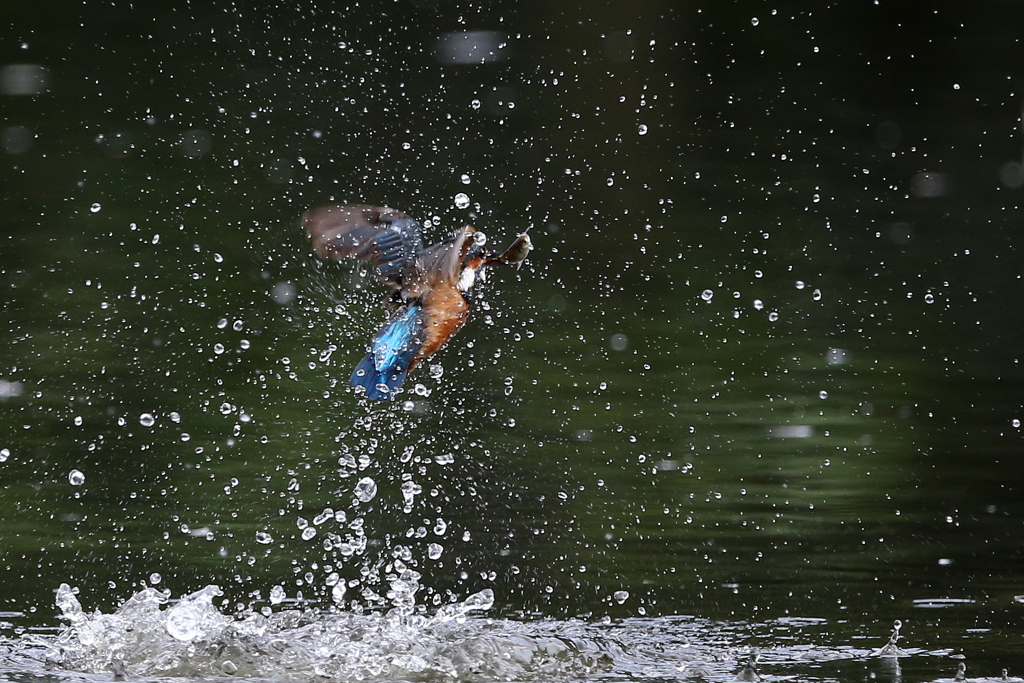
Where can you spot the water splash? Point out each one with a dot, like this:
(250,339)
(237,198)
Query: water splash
(191,638)
(153,639)
(891,649)
(749,674)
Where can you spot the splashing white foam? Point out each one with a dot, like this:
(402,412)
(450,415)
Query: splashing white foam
(147,636)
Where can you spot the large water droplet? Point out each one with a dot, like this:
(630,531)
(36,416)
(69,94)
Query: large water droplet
(327,514)
(366,489)
(483,600)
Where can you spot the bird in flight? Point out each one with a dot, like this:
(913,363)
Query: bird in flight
(429,285)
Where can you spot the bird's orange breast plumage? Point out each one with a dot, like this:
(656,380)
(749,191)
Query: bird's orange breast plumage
(446,310)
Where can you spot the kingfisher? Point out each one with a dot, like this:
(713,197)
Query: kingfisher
(430,286)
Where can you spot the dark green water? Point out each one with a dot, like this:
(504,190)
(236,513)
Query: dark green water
(764,363)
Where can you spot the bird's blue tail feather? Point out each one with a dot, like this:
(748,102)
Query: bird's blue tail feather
(382,371)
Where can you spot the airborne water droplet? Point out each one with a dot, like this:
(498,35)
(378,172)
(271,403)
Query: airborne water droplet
(366,489)
(328,513)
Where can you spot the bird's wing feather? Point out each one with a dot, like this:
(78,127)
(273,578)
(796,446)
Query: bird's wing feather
(387,238)
(442,262)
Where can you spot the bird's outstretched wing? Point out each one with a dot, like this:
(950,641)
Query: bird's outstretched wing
(387,238)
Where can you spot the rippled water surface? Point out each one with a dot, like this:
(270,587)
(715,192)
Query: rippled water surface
(754,397)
